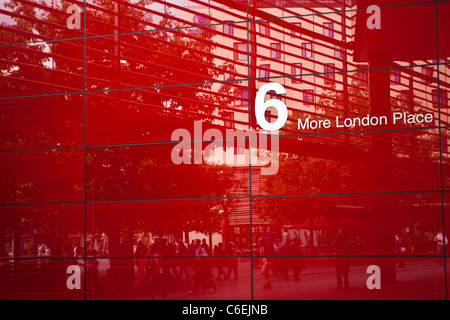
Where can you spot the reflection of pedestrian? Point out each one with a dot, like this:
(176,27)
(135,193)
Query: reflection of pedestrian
(44,250)
(206,246)
(155,276)
(92,279)
(202,268)
(47,251)
(342,265)
(297,263)
(219,251)
(139,278)
(182,251)
(439,239)
(232,262)
(75,250)
(41,250)
(265,251)
(118,270)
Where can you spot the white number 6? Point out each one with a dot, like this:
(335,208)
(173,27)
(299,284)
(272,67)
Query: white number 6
(261,107)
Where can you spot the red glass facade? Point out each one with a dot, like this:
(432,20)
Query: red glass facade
(133,163)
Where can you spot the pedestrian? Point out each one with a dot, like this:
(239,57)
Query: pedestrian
(342,265)
(155,275)
(297,263)
(170,264)
(47,251)
(41,249)
(75,250)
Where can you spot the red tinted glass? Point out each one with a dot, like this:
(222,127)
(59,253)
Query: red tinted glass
(136,162)
(313,223)
(167,57)
(53,231)
(42,176)
(28,21)
(170,279)
(148,172)
(42,68)
(39,279)
(153,115)
(318,279)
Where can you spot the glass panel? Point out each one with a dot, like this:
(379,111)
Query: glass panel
(421,278)
(42,68)
(163,171)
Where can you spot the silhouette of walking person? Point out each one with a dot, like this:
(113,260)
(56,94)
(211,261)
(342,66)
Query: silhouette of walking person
(232,261)
(342,265)
(265,251)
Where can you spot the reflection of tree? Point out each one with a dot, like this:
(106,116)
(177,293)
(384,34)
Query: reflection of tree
(143,59)
(305,175)
(49,224)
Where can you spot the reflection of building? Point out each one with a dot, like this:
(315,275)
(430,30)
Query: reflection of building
(310,50)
